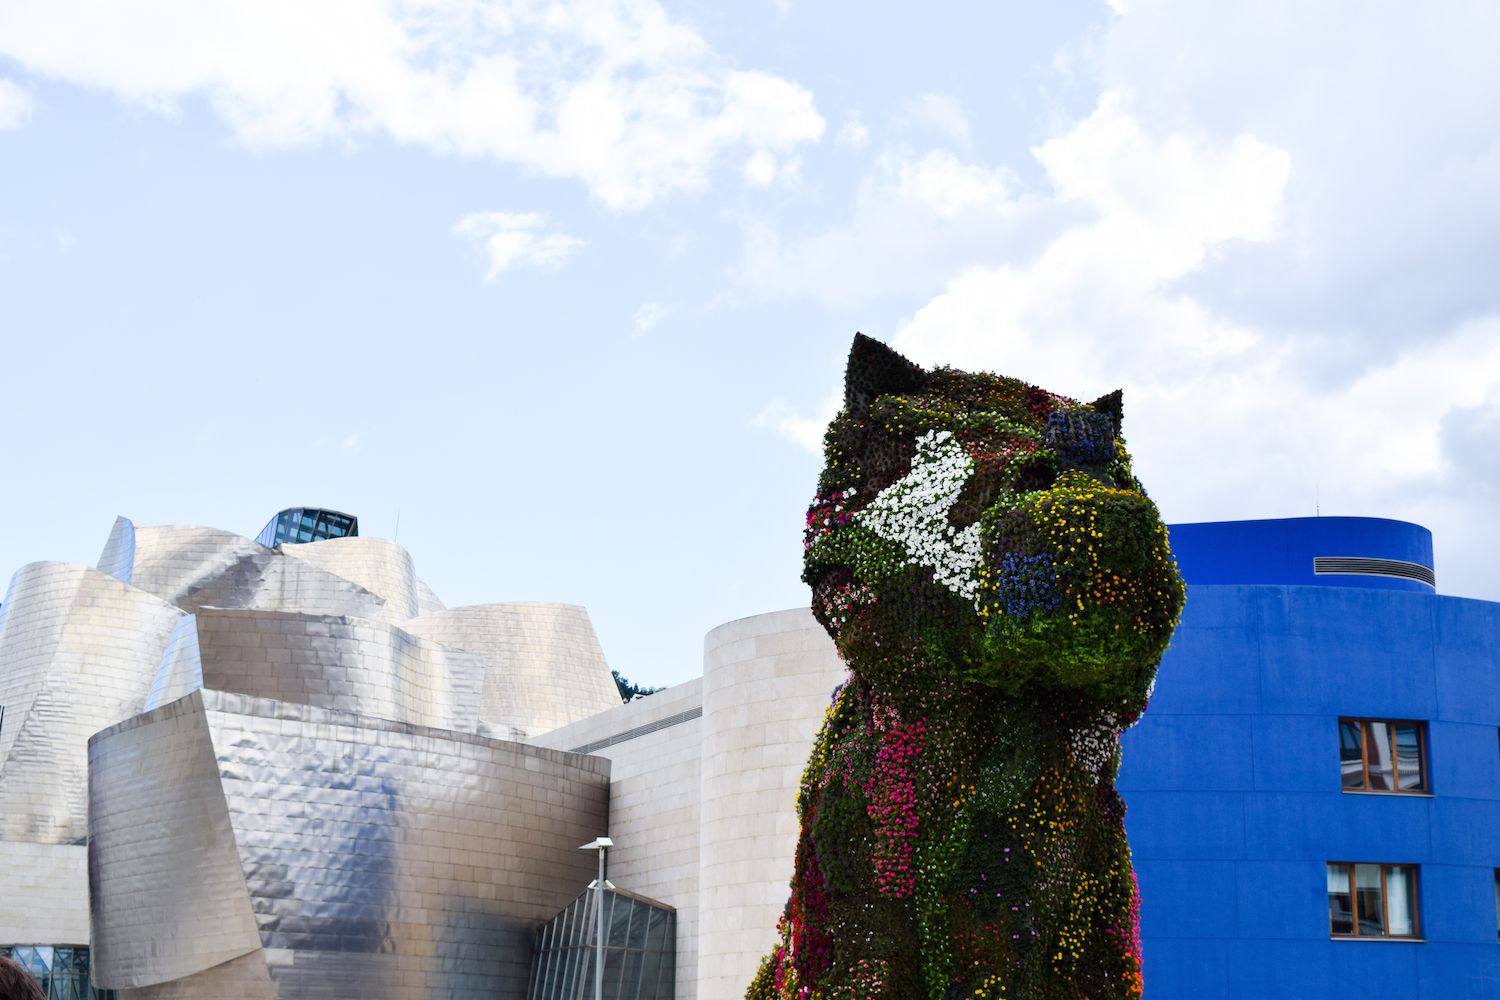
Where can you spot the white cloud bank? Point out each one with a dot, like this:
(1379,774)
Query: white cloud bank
(613,93)
(509,240)
(1278,230)
(15,105)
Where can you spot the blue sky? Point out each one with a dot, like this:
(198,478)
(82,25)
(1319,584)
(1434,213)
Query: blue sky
(567,287)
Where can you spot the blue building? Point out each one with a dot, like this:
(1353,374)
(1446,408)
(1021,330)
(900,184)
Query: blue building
(1314,793)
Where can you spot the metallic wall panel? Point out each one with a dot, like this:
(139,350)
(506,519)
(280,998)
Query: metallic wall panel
(346,664)
(428,603)
(78,649)
(168,898)
(194,567)
(118,557)
(391,861)
(382,860)
(382,567)
(181,669)
(544,667)
(243,978)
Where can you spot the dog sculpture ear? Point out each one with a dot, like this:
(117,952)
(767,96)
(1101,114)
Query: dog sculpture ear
(1112,405)
(876,370)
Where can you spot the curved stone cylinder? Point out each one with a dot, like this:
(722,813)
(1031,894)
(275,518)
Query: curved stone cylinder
(766,683)
(543,664)
(78,650)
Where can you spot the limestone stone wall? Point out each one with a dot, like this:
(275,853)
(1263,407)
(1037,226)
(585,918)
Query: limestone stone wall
(655,746)
(767,682)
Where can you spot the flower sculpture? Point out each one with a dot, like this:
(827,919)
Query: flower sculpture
(1002,591)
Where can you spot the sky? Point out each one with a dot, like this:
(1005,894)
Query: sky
(558,295)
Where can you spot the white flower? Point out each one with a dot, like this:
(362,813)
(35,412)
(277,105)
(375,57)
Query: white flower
(913,513)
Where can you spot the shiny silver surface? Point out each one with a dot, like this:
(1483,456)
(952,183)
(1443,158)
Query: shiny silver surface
(544,666)
(382,567)
(195,567)
(167,896)
(77,652)
(379,859)
(347,664)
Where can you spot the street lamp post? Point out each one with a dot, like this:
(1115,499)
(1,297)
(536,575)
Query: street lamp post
(599,884)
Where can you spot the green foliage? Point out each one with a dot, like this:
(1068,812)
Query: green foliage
(630,691)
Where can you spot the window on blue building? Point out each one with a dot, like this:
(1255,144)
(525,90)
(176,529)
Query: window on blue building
(1383,755)
(1372,900)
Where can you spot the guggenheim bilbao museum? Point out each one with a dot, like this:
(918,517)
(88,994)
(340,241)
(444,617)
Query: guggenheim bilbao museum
(282,768)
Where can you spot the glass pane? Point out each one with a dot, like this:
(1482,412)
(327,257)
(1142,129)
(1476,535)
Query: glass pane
(1382,766)
(630,981)
(613,960)
(619,921)
(1351,754)
(1401,900)
(638,920)
(651,967)
(657,939)
(1367,898)
(1409,756)
(1340,913)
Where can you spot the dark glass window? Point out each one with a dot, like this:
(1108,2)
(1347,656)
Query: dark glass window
(640,937)
(299,525)
(1372,900)
(1383,755)
(63,972)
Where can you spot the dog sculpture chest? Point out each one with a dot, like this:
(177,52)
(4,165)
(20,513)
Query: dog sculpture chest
(1002,591)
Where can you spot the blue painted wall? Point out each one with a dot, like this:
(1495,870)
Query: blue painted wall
(1232,779)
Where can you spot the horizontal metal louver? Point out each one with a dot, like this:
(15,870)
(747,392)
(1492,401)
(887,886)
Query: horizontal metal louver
(1364,566)
(652,727)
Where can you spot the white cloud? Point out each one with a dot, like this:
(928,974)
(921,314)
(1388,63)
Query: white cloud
(613,93)
(804,431)
(650,315)
(917,218)
(941,113)
(760,169)
(15,105)
(854,134)
(1393,214)
(515,239)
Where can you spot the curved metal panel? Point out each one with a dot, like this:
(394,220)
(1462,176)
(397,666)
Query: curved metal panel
(243,978)
(78,649)
(543,664)
(195,567)
(387,860)
(347,664)
(118,557)
(382,567)
(167,896)
(181,670)
(428,603)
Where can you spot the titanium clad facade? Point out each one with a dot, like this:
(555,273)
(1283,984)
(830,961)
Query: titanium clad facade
(382,567)
(347,664)
(77,652)
(377,859)
(545,668)
(195,567)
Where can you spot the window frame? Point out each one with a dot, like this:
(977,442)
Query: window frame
(1425,788)
(1385,904)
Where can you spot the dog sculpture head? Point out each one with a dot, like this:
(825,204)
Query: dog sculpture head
(973,526)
